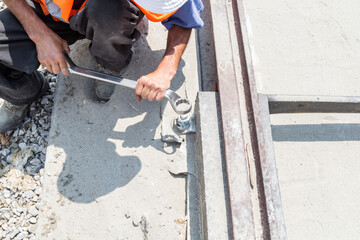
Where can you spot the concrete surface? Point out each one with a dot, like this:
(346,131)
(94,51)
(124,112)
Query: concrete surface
(107,172)
(306,47)
(312,48)
(213,190)
(318,167)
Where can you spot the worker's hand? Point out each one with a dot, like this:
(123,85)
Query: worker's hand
(50,47)
(50,50)
(153,86)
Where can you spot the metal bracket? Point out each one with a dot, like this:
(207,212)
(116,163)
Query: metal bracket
(185,124)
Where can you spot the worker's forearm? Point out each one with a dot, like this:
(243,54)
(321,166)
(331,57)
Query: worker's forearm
(154,85)
(178,38)
(32,24)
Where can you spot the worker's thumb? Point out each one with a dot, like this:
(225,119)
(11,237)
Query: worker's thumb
(138,98)
(66,48)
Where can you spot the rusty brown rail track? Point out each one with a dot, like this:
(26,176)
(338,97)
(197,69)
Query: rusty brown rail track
(225,16)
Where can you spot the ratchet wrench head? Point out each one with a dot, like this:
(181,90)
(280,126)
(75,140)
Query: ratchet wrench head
(180,105)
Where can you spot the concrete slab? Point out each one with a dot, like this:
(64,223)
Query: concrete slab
(306,47)
(213,190)
(318,167)
(312,48)
(107,170)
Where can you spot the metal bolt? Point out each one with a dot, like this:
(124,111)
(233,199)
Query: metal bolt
(185,123)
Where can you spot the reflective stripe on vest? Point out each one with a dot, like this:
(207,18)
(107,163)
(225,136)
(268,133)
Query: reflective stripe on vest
(154,17)
(59,9)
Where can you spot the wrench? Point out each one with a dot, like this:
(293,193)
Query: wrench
(180,105)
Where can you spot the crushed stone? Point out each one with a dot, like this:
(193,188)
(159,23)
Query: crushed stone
(22,158)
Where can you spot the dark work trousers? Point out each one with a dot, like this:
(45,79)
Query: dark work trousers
(110,25)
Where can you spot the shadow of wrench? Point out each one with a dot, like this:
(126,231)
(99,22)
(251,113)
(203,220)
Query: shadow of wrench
(180,105)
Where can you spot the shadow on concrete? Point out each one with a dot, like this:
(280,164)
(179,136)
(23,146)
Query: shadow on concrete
(316,132)
(94,165)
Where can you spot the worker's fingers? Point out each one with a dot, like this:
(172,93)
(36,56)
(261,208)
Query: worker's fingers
(138,98)
(142,88)
(66,47)
(65,71)
(48,67)
(56,68)
(149,89)
(160,95)
(64,67)
(152,95)
(145,92)
(138,90)
(139,87)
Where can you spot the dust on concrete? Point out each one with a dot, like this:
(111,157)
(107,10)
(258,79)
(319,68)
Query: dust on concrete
(67,180)
(50,225)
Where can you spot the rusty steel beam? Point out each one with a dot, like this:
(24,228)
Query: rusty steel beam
(241,213)
(258,109)
(313,104)
(269,173)
(272,217)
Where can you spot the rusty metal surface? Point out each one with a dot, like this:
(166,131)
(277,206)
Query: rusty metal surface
(268,187)
(257,112)
(206,51)
(313,104)
(241,215)
(269,172)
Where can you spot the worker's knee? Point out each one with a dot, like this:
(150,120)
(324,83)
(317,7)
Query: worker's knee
(113,60)
(110,25)
(113,20)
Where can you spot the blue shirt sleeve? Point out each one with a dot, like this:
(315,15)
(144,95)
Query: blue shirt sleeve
(188,16)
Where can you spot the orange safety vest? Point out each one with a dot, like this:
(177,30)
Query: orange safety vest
(59,9)
(62,10)
(154,17)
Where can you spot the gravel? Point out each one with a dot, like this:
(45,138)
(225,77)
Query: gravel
(21,168)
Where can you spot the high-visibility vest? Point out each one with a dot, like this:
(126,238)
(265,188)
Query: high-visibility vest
(59,9)
(62,10)
(154,17)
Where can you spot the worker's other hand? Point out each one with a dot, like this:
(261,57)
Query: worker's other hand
(50,50)
(153,85)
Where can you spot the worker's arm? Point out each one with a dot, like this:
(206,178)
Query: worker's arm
(154,85)
(50,47)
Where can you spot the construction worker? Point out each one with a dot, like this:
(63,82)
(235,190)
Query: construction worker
(38,32)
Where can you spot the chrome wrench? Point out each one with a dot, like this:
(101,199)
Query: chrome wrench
(180,105)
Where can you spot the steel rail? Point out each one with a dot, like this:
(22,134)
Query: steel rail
(272,217)
(258,110)
(239,192)
(313,104)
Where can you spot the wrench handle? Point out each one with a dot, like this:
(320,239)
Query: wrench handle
(180,105)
